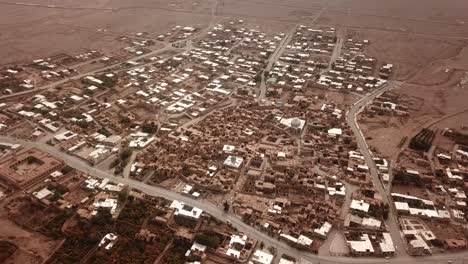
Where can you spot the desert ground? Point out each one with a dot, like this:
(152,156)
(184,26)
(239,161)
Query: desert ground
(415,34)
(440,100)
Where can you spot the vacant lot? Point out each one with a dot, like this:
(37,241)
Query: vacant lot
(32,247)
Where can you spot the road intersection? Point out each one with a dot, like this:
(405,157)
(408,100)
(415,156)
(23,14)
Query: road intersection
(218,212)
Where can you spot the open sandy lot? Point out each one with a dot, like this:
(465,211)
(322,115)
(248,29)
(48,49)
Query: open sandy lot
(442,106)
(32,246)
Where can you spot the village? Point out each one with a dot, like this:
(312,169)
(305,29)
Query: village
(250,129)
(427,179)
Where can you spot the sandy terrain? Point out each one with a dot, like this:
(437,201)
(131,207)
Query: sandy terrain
(30,32)
(437,84)
(431,70)
(33,247)
(384,137)
(38,28)
(459,121)
(411,53)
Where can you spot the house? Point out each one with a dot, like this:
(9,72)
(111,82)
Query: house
(186,211)
(261,257)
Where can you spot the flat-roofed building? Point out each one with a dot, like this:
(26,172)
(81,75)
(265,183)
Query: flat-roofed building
(28,167)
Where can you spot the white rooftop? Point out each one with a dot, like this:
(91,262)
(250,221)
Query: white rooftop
(360,205)
(234,161)
(185,210)
(363,245)
(261,257)
(335,132)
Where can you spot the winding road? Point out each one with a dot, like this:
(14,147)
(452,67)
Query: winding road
(219,213)
(351,117)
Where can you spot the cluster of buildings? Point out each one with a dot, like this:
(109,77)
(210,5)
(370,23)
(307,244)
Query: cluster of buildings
(178,33)
(243,115)
(215,118)
(428,188)
(352,73)
(365,231)
(54,188)
(388,104)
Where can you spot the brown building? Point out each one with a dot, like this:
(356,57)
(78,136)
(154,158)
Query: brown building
(28,167)
(455,244)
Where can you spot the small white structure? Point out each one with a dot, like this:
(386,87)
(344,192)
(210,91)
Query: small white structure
(360,205)
(261,257)
(234,162)
(386,245)
(140,140)
(228,148)
(195,248)
(108,203)
(108,241)
(361,246)
(65,136)
(323,230)
(235,244)
(335,132)
(181,209)
(285,261)
(42,193)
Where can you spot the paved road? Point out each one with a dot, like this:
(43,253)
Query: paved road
(167,47)
(352,122)
(274,58)
(340,37)
(218,213)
